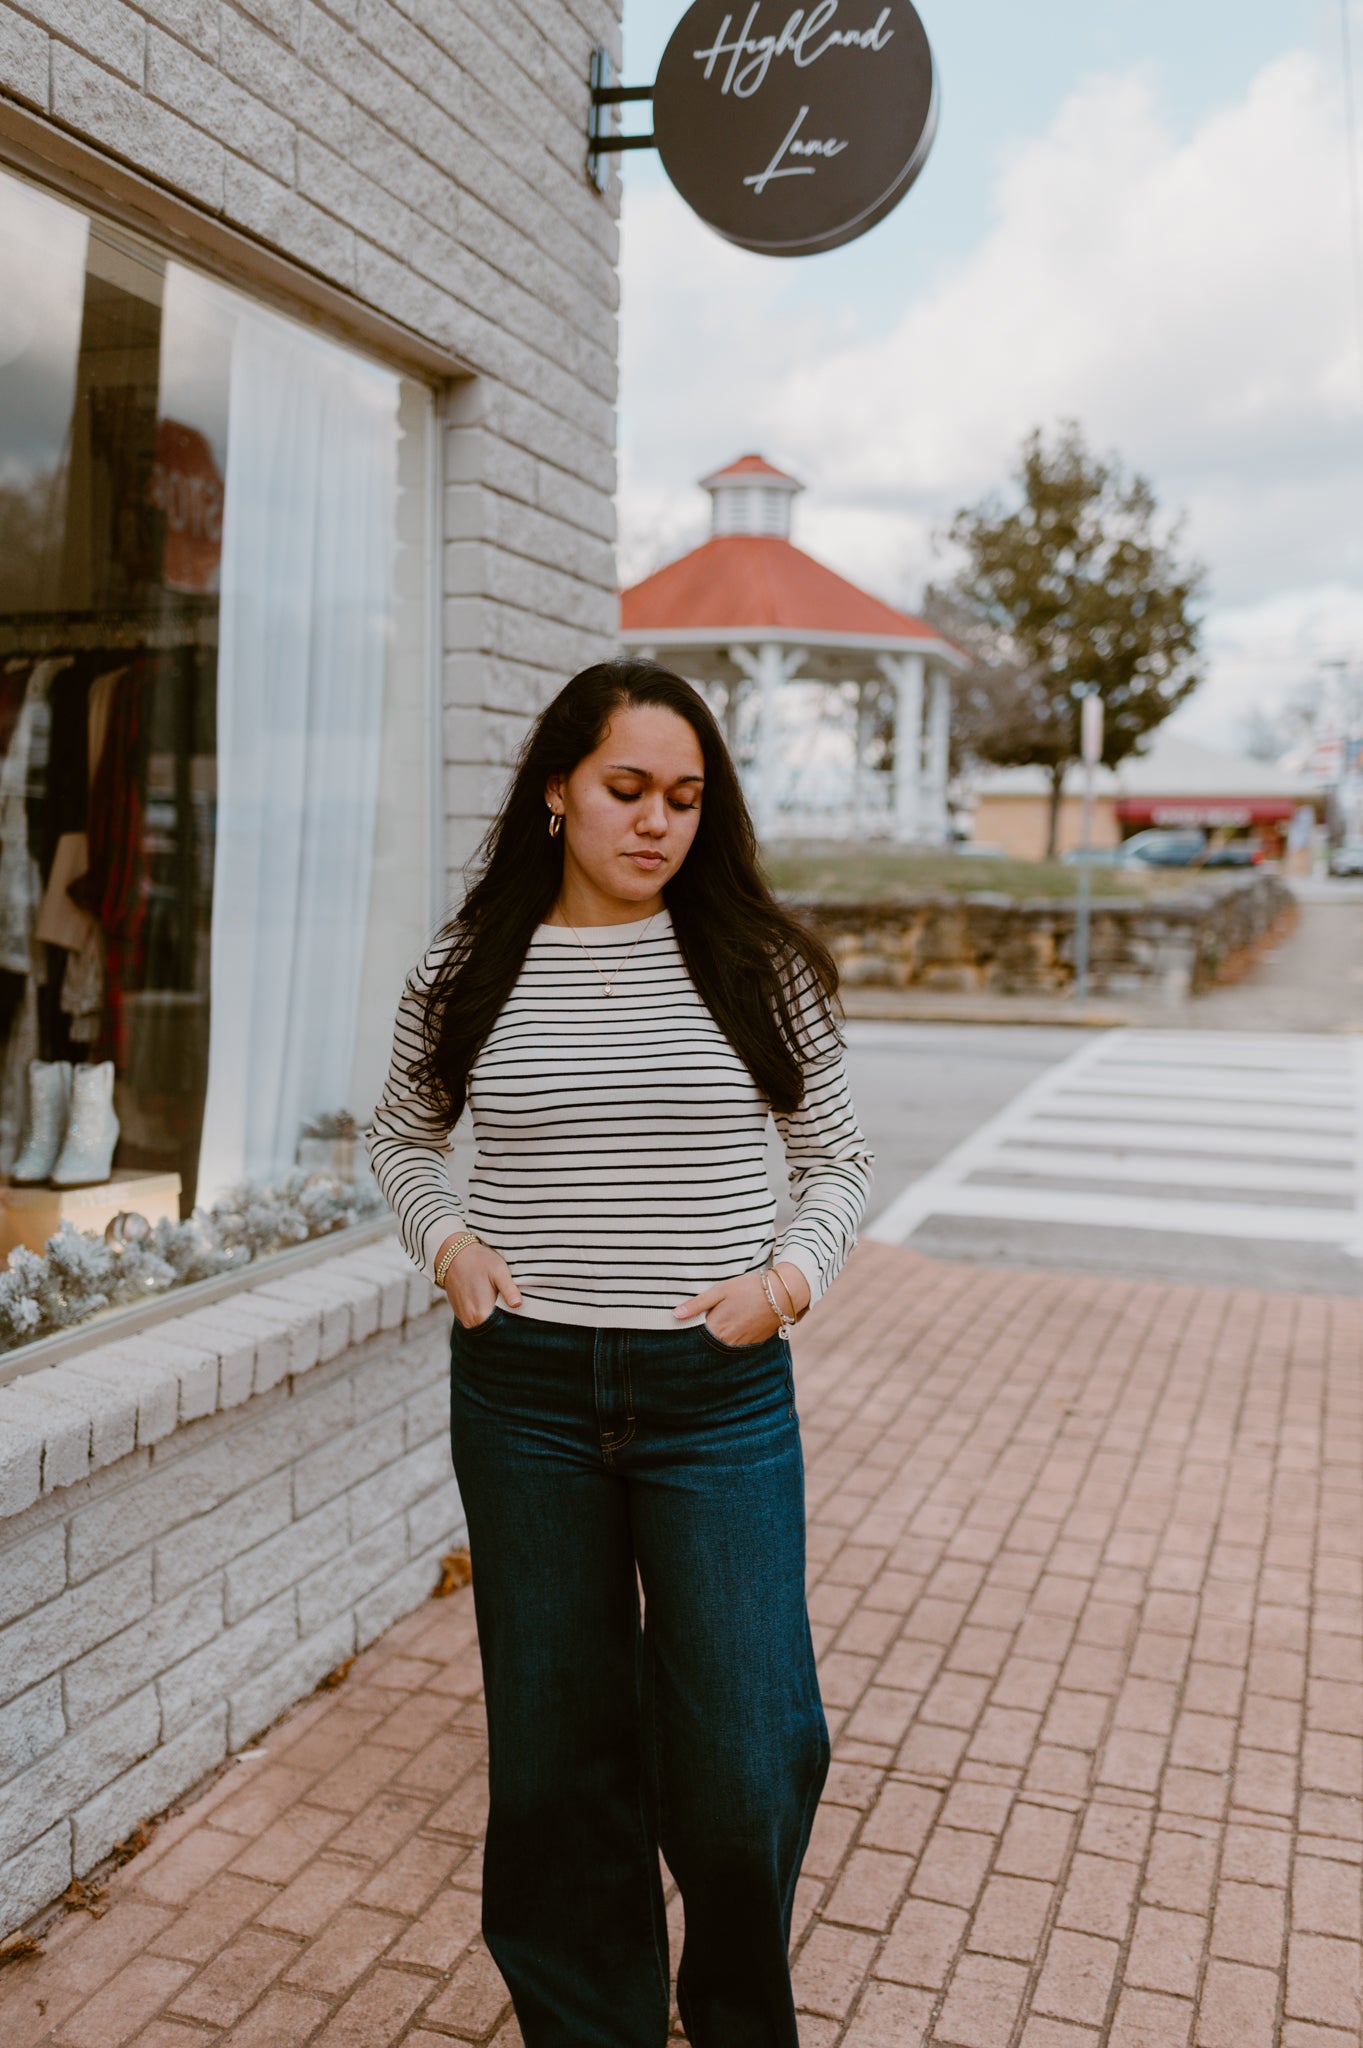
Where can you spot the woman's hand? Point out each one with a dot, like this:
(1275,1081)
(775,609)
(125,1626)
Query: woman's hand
(475,1278)
(737,1310)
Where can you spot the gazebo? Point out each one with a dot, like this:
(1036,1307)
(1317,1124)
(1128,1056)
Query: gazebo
(748,612)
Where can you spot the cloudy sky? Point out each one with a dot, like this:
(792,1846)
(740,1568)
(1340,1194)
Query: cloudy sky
(1137,214)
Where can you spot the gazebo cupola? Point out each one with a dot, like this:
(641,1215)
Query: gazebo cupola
(747,615)
(751,497)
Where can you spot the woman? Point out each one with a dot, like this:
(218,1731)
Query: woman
(620,1002)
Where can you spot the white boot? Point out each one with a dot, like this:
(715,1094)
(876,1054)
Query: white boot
(92,1128)
(49,1104)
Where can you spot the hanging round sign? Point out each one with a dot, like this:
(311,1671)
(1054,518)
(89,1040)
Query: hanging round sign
(791,131)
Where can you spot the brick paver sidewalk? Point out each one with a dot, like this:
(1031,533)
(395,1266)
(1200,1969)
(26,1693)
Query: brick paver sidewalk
(1085,1576)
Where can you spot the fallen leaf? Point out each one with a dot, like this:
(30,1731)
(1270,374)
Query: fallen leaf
(456,1569)
(80,1897)
(133,1844)
(15,1950)
(337,1677)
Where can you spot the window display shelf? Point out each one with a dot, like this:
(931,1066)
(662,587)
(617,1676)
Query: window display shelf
(31,1215)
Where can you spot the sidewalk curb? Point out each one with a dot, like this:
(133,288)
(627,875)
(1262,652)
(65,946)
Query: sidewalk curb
(910,1006)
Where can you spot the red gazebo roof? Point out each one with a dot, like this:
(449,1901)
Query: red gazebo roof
(749,465)
(738,581)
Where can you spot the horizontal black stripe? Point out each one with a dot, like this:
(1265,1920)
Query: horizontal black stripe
(620,1144)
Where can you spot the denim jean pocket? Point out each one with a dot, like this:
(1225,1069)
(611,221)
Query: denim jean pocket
(475,1329)
(737,1350)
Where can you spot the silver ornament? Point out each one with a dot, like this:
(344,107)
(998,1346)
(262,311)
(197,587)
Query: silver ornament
(127,1227)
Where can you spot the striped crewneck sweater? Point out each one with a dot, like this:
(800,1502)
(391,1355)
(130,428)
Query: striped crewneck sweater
(620,1142)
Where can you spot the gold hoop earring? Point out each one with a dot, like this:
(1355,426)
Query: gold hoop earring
(555,822)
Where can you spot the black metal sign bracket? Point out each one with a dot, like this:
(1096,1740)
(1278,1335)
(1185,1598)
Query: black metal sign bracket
(602,140)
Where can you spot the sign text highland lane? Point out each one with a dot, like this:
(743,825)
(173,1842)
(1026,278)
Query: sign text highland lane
(791,131)
(804,39)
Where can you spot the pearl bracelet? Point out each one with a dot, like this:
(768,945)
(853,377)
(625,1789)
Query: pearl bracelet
(795,1313)
(783,1321)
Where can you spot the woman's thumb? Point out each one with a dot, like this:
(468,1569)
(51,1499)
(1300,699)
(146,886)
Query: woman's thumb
(509,1287)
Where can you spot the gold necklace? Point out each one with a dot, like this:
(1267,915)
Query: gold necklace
(605,980)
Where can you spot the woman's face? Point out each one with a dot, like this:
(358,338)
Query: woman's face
(631,808)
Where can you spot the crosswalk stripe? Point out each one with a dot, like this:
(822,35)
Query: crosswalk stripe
(1336,1094)
(1268,1116)
(1222,1125)
(1190,1136)
(1175,1169)
(1120,1212)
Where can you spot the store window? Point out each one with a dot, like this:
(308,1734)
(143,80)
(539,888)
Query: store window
(214,727)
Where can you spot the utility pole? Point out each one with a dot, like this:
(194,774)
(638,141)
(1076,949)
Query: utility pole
(1346,792)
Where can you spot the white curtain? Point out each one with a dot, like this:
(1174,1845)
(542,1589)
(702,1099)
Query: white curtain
(306,602)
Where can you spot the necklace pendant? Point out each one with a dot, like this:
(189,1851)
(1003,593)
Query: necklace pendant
(605,988)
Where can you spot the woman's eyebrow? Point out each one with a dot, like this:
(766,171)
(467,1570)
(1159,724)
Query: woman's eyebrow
(625,768)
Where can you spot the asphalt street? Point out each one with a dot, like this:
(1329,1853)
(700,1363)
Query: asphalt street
(1144,1154)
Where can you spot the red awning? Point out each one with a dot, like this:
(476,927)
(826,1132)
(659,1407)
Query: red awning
(1212,812)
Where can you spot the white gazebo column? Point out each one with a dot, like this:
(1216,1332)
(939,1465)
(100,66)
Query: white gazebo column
(905,671)
(938,818)
(862,743)
(770,668)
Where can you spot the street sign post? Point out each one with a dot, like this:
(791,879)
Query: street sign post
(1091,751)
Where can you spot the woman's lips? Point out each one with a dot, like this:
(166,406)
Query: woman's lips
(646,860)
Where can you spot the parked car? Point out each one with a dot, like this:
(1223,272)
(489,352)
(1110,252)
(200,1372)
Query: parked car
(1236,853)
(1163,847)
(1167,847)
(1347,857)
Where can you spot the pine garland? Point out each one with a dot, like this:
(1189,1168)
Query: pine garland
(82,1273)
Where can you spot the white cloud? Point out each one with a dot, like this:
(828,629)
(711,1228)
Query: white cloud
(1189,301)
(1258,650)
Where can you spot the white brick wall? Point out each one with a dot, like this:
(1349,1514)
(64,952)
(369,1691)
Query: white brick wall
(429,160)
(219,1552)
(198,1523)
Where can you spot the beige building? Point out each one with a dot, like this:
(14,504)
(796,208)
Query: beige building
(1176,783)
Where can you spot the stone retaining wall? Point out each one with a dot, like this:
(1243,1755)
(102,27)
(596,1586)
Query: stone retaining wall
(1167,947)
(195,1527)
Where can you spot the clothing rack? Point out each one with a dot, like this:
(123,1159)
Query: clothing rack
(72,632)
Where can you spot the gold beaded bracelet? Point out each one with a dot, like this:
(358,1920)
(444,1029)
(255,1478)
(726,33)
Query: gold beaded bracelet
(451,1252)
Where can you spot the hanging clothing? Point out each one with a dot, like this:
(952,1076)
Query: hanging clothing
(13,679)
(59,790)
(82,990)
(97,720)
(12,988)
(114,887)
(21,1046)
(59,921)
(20,877)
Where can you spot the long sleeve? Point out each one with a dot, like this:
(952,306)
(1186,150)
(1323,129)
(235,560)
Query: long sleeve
(408,1147)
(830,1164)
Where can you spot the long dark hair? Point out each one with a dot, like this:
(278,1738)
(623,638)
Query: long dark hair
(743,951)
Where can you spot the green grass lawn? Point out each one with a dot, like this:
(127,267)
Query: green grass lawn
(849,874)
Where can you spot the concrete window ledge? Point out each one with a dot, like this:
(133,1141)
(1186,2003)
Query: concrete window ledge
(197,1522)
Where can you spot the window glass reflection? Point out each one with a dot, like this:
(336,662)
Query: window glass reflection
(213,740)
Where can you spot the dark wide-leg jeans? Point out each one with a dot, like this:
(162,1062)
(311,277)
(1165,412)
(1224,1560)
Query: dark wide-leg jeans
(581,1455)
